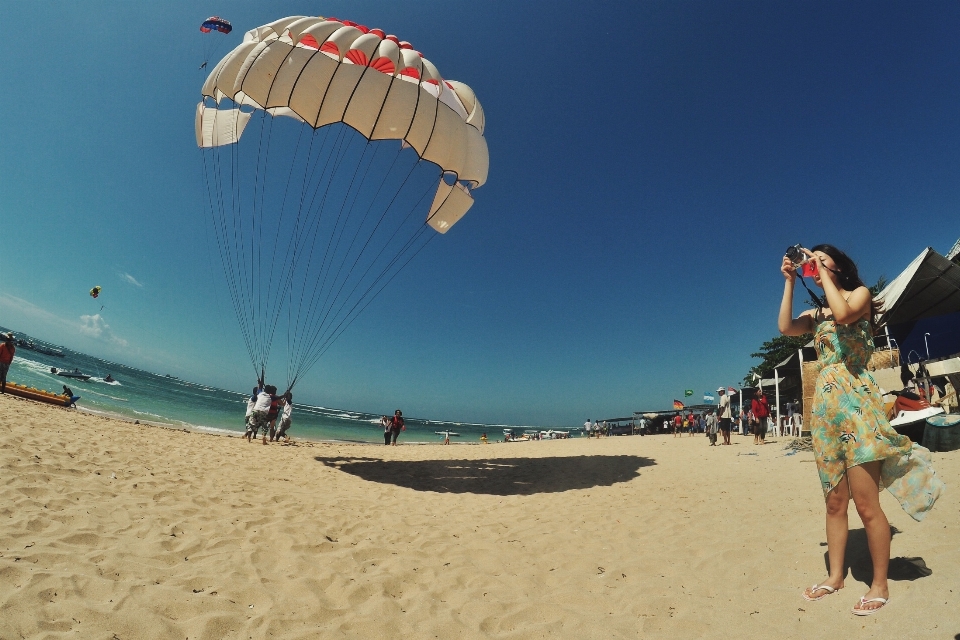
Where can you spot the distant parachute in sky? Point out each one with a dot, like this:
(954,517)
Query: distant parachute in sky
(210,44)
(95,292)
(216,23)
(332,154)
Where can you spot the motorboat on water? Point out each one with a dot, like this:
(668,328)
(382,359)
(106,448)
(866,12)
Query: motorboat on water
(76,374)
(109,378)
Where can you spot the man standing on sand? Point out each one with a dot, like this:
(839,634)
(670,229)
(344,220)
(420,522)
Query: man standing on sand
(7,349)
(761,410)
(724,415)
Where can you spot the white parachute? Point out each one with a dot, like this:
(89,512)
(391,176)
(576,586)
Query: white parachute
(321,140)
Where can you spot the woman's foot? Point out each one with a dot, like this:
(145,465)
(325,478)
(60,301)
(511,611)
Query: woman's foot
(870,603)
(822,590)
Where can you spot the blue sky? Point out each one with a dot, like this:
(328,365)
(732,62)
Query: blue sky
(649,163)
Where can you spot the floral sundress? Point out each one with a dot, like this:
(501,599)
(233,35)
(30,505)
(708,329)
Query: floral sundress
(849,426)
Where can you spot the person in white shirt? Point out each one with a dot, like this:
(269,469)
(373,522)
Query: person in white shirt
(286,404)
(258,418)
(724,415)
(587,427)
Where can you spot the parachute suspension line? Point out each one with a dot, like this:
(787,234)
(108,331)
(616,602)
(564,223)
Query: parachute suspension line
(256,244)
(338,331)
(317,314)
(317,330)
(337,158)
(297,235)
(327,265)
(219,219)
(319,344)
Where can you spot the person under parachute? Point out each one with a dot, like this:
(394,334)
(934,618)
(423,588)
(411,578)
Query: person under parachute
(95,293)
(211,24)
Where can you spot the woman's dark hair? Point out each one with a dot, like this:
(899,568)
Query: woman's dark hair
(848,276)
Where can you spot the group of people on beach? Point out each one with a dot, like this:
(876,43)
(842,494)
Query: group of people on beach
(753,419)
(393,426)
(263,408)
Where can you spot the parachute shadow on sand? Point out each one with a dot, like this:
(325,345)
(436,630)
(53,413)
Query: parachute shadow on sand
(497,476)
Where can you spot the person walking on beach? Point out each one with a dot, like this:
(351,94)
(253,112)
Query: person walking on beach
(761,411)
(396,426)
(7,349)
(677,422)
(856,450)
(724,417)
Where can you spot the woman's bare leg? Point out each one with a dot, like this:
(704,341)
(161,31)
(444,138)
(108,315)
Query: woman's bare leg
(865,488)
(837,531)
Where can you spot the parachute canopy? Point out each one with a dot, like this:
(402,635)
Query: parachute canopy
(324,70)
(333,154)
(95,292)
(216,23)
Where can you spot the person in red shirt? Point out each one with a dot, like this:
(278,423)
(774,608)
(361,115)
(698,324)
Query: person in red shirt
(761,411)
(7,349)
(396,426)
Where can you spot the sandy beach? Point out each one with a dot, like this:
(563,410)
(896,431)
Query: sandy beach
(114,530)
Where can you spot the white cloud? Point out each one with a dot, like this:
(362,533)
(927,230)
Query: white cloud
(126,277)
(95,327)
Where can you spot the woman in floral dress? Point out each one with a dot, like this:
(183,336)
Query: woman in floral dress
(857,451)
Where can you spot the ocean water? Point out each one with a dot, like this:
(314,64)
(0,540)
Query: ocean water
(155,398)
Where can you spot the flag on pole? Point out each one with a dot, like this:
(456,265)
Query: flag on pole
(708,397)
(677,404)
(687,393)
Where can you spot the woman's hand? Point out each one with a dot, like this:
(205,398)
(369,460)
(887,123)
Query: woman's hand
(788,269)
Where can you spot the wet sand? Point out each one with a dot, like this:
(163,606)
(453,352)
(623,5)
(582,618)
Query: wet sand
(114,530)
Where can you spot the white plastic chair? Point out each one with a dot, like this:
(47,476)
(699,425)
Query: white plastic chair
(797,428)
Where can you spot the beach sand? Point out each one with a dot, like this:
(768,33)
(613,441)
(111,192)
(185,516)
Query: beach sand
(114,530)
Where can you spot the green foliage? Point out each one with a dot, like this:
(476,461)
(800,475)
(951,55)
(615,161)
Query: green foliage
(773,352)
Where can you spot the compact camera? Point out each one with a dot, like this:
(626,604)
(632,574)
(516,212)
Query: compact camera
(801,261)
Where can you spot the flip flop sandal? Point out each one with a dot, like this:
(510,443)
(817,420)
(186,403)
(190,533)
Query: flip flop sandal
(869,612)
(814,589)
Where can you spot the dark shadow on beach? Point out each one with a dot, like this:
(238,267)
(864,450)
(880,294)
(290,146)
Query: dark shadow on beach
(859,565)
(498,477)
